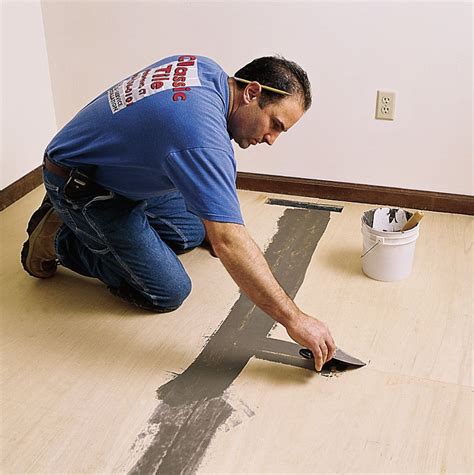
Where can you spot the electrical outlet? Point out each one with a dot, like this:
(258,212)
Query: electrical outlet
(385,105)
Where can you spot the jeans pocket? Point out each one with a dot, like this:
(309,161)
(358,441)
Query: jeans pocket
(82,202)
(92,234)
(53,193)
(86,222)
(51,187)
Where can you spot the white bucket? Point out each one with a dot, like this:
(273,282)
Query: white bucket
(388,256)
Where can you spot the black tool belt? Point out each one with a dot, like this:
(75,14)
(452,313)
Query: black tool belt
(79,183)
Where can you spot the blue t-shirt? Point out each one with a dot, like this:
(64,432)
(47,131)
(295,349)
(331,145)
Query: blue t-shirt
(162,129)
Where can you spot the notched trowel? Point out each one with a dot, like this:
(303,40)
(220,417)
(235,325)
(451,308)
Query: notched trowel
(340,357)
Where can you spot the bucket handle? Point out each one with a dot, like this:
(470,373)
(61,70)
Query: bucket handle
(379,240)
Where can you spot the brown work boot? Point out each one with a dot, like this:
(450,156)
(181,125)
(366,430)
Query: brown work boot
(38,255)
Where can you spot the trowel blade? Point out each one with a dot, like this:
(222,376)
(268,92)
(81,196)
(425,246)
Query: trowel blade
(339,356)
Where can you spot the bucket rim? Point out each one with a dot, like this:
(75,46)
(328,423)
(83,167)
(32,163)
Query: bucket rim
(393,234)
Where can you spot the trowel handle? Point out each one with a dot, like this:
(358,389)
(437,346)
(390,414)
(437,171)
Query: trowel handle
(413,221)
(305,353)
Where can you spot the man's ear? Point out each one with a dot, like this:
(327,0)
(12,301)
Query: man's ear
(252,92)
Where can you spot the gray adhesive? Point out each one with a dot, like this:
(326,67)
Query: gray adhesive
(192,405)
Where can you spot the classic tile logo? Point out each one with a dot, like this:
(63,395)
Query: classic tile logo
(178,75)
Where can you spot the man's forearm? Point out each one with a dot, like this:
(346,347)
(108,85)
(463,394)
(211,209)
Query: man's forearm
(246,264)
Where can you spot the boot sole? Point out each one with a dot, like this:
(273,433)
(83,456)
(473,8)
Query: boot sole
(26,252)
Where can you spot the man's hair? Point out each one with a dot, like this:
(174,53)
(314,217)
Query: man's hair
(279,73)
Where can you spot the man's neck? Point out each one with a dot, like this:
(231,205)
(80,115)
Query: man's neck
(233,93)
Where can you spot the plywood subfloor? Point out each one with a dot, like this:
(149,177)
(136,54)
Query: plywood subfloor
(80,369)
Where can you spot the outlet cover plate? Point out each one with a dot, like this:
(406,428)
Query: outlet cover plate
(385,108)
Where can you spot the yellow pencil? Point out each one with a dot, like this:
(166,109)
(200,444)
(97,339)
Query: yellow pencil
(268,88)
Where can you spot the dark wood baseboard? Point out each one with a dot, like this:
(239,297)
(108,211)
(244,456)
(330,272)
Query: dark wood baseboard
(338,191)
(330,190)
(20,188)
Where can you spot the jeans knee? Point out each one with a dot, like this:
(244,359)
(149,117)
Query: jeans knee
(176,294)
(164,300)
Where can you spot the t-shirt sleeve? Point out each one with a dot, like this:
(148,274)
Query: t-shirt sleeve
(206,178)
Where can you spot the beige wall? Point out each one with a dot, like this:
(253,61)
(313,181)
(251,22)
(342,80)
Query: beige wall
(28,118)
(420,50)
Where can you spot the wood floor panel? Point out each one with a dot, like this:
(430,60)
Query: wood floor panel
(69,347)
(79,368)
(420,326)
(365,421)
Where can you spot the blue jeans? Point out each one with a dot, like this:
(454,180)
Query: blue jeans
(131,246)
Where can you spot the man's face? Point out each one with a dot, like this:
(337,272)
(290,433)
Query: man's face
(252,125)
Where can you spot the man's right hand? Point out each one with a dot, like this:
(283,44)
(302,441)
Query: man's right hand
(314,335)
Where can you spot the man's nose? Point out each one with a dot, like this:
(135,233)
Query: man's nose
(270,138)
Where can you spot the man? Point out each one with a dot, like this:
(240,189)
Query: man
(147,171)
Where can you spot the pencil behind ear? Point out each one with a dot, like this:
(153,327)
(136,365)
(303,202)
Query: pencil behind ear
(252,91)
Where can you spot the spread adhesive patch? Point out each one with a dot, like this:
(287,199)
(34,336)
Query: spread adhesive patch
(193,405)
